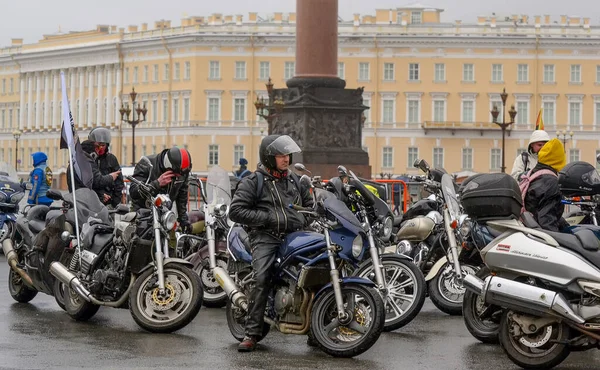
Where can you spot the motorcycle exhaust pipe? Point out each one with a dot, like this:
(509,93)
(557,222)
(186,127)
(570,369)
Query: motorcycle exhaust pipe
(521,297)
(231,289)
(13,260)
(59,271)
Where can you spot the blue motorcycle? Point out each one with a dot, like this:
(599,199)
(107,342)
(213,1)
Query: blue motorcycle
(344,315)
(11,193)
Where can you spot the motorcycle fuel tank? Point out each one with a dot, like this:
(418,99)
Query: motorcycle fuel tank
(417,229)
(298,240)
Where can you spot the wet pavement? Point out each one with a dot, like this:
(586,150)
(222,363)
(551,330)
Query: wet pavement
(39,335)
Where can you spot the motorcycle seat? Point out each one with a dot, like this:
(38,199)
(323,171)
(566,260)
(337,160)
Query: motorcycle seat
(582,239)
(36,226)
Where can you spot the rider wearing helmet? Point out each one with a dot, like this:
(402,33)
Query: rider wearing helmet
(527,160)
(107,164)
(169,174)
(267,215)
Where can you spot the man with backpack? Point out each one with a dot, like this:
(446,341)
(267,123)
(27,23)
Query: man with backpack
(262,204)
(539,188)
(243,171)
(527,160)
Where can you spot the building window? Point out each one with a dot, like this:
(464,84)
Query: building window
(239,109)
(468,111)
(341,70)
(135,75)
(240,70)
(440,72)
(573,155)
(187,71)
(4,86)
(467,158)
(497,73)
(413,72)
(213,155)
(124,154)
(363,71)
(289,70)
(575,73)
(438,157)
(154,112)
(413,155)
(177,72)
(413,111)
(523,73)
(11,86)
(522,113)
(264,70)
(388,156)
(126,77)
(416,18)
(238,152)
(495,159)
(165,110)
(388,111)
(145,77)
(175,110)
(213,109)
(439,110)
(167,72)
(10,118)
(186,109)
(3,119)
(468,72)
(574,113)
(388,71)
(214,72)
(155,70)
(548,113)
(367,112)
(548,73)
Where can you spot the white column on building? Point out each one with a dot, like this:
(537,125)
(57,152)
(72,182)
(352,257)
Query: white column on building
(22,103)
(38,100)
(56,99)
(118,91)
(46,117)
(30,78)
(80,118)
(109,96)
(100,112)
(72,76)
(90,114)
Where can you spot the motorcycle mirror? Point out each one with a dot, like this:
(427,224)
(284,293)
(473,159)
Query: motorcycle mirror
(302,168)
(422,165)
(342,171)
(598,158)
(305,181)
(65,236)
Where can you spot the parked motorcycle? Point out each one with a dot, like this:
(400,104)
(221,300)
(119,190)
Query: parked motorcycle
(345,315)
(115,267)
(548,283)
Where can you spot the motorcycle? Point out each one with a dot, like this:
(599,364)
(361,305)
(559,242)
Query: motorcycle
(114,267)
(345,315)
(431,240)
(548,283)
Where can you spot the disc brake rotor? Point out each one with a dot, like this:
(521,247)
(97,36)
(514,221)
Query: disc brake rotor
(166,301)
(362,316)
(207,277)
(538,339)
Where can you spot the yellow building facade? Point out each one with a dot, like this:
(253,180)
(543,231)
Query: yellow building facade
(430,86)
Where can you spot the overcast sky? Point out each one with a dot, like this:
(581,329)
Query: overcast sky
(30,19)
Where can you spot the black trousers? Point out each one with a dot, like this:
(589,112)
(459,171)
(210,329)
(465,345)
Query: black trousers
(265,248)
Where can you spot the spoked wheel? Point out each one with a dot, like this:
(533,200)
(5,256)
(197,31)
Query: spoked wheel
(405,289)
(17,288)
(214,295)
(351,335)
(482,320)
(171,310)
(544,348)
(446,291)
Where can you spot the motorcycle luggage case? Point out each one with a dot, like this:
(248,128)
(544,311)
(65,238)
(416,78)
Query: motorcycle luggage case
(579,179)
(490,196)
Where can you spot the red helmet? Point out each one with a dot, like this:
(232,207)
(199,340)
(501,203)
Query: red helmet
(178,160)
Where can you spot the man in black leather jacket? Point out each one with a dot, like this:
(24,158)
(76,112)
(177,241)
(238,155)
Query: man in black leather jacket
(169,174)
(100,181)
(269,218)
(107,163)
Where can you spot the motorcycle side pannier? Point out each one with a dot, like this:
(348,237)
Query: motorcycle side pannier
(490,196)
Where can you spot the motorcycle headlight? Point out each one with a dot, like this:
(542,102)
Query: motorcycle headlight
(357,246)
(16,198)
(168,220)
(465,227)
(221,209)
(386,231)
(404,247)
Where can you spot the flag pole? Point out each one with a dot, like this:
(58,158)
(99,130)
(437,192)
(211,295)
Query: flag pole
(70,143)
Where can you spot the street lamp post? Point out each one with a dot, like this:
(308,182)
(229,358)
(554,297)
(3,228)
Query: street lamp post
(271,108)
(16,135)
(562,135)
(135,120)
(512,113)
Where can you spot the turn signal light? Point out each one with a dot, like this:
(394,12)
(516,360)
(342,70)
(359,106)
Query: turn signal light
(454,224)
(158,201)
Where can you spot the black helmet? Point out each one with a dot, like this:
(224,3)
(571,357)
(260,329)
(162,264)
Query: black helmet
(178,160)
(100,135)
(273,145)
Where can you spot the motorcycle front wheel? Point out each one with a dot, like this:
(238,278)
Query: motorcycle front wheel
(359,332)
(171,310)
(214,295)
(446,291)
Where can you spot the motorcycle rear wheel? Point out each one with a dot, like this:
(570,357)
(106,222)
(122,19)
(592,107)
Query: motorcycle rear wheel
(17,288)
(78,308)
(59,292)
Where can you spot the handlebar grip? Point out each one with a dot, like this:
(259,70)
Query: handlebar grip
(299,208)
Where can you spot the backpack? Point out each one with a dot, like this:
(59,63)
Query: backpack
(525,159)
(241,175)
(527,179)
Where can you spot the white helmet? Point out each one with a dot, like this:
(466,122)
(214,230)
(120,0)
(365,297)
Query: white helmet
(538,135)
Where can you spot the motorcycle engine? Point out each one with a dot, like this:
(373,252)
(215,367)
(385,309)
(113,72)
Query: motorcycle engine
(284,301)
(108,278)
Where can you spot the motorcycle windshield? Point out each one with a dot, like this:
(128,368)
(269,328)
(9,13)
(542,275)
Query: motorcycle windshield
(88,205)
(8,173)
(450,196)
(343,215)
(218,187)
